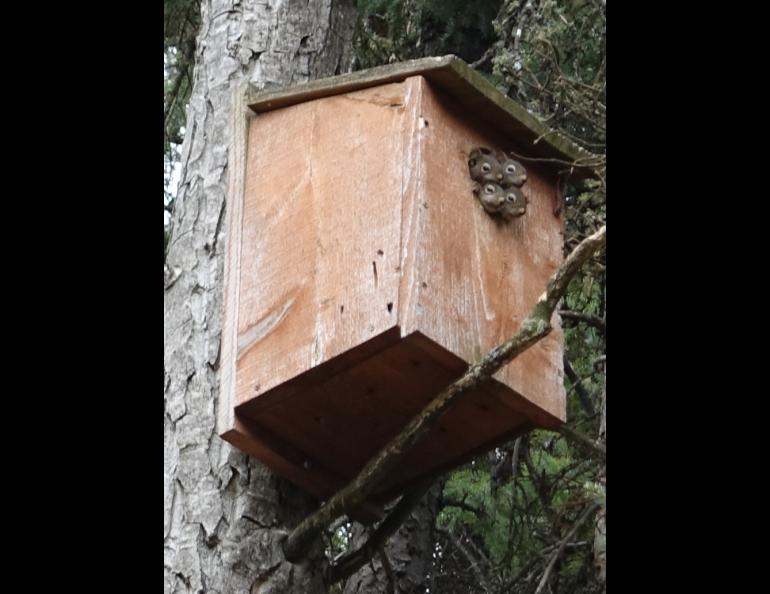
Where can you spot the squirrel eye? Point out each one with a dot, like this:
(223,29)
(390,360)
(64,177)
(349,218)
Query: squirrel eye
(510,169)
(486,167)
(489,189)
(510,198)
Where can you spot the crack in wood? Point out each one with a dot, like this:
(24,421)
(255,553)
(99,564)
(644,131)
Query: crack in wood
(258,331)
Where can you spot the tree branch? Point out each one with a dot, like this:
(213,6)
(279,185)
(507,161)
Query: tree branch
(450,502)
(352,562)
(589,319)
(594,448)
(388,570)
(534,327)
(585,399)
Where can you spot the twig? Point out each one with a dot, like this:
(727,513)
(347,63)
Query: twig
(562,545)
(577,383)
(473,562)
(589,319)
(352,562)
(388,570)
(450,502)
(587,163)
(594,448)
(515,457)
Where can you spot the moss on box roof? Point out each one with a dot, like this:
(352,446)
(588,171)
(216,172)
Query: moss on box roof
(458,80)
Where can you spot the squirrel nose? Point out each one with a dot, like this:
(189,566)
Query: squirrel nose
(499,176)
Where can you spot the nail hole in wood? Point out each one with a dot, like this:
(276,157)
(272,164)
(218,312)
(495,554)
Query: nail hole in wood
(390,307)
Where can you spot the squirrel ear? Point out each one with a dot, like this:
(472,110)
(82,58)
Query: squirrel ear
(475,153)
(471,162)
(476,187)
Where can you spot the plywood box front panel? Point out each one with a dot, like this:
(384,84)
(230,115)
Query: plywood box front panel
(321,233)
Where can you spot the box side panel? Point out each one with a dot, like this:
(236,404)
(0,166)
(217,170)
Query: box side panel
(239,122)
(320,236)
(477,277)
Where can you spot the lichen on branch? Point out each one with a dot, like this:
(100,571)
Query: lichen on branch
(534,327)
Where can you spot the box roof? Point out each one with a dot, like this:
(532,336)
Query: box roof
(454,77)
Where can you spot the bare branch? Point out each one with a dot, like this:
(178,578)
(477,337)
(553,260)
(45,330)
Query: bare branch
(473,562)
(577,384)
(595,449)
(534,327)
(562,545)
(388,570)
(451,502)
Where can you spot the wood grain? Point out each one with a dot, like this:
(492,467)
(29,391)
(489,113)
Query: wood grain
(474,277)
(240,115)
(321,234)
(363,276)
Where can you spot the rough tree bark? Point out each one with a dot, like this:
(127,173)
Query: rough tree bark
(225,514)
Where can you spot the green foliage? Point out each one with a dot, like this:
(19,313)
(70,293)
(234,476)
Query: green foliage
(181,21)
(394,30)
(519,520)
(551,57)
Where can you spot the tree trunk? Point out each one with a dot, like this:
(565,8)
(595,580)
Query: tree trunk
(225,514)
(409,554)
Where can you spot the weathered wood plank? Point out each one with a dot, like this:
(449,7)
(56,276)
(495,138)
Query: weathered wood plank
(239,122)
(321,234)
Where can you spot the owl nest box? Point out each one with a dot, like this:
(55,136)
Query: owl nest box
(363,275)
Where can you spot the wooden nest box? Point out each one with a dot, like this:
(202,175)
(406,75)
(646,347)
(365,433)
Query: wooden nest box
(363,274)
